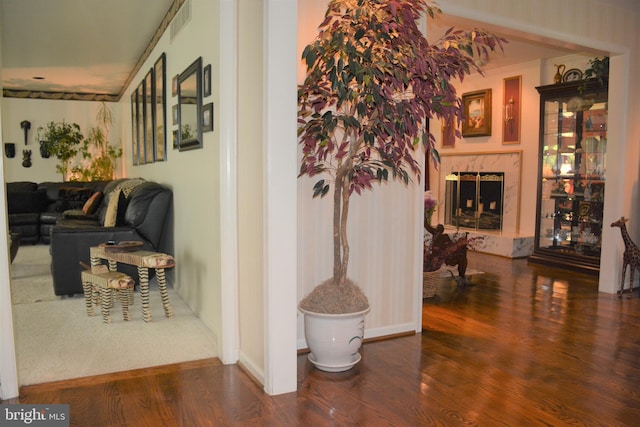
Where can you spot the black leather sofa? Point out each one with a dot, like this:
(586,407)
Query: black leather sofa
(63,197)
(33,209)
(145,214)
(24,205)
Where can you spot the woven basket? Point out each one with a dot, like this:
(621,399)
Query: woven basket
(430,281)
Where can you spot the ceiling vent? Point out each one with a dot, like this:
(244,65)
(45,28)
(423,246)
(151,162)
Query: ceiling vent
(181,19)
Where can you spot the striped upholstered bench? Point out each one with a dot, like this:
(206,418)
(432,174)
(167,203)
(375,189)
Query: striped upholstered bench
(99,282)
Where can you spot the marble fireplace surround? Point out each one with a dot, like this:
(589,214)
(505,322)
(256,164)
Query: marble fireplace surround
(507,242)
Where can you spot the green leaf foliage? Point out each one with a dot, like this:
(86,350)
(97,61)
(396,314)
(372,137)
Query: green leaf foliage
(66,142)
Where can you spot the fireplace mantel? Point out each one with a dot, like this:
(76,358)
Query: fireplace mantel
(507,242)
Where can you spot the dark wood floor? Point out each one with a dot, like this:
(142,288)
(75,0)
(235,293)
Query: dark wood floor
(524,346)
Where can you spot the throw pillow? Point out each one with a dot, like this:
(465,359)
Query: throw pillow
(72,198)
(91,205)
(111,217)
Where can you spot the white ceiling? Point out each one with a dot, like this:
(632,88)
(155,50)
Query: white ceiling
(84,46)
(92,46)
(521,47)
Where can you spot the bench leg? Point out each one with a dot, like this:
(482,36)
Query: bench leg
(87,287)
(143,275)
(95,295)
(105,300)
(162,284)
(124,302)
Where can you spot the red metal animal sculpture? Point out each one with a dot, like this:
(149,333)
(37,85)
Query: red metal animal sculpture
(446,251)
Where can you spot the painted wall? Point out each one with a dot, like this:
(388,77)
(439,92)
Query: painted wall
(193,175)
(40,112)
(251,187)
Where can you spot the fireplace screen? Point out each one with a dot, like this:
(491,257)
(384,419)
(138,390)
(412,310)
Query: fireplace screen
(474,200)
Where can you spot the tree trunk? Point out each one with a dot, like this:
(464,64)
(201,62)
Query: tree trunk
(340,214)
(337,252)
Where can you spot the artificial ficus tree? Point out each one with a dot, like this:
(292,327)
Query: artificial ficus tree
(373,80)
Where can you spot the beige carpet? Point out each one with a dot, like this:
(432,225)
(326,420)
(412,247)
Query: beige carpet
(55,339)
(30,275)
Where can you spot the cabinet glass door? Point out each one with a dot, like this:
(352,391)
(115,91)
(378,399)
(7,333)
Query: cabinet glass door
(573,146)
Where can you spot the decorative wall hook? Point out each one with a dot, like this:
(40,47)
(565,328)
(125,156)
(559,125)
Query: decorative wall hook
(25,125)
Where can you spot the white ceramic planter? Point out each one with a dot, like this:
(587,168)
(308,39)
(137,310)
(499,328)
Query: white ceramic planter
(334,339)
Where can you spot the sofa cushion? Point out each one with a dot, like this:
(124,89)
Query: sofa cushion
(26,202)
(24,219)
(72,198)
(91,206)
(78,214)
(53,188)
(115,209)
(50,217)
(21,186)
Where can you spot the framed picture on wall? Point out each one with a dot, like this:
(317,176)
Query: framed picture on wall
(149,118)
(206,80)
(140,122)
(160,105)
(477,113)
(174,85)
(207,117)
(135,140)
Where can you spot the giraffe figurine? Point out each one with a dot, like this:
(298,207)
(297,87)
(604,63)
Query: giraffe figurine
(631,256)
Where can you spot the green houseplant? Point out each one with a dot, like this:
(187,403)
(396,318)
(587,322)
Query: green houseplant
(598,70)
(100,156)
(373,80)
(62,140)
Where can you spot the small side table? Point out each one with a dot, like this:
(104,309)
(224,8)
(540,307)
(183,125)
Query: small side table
(143,260)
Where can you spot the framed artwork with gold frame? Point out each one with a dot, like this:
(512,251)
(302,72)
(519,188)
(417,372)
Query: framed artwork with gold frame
(477,113)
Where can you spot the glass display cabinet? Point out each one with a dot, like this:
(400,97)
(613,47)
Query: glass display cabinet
(571,178)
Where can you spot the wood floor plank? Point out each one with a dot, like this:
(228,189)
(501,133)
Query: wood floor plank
(524,345)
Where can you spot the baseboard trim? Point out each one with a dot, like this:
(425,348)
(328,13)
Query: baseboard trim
(255,372)
(374,334)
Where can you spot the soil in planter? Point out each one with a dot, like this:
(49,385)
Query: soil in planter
(329,298)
